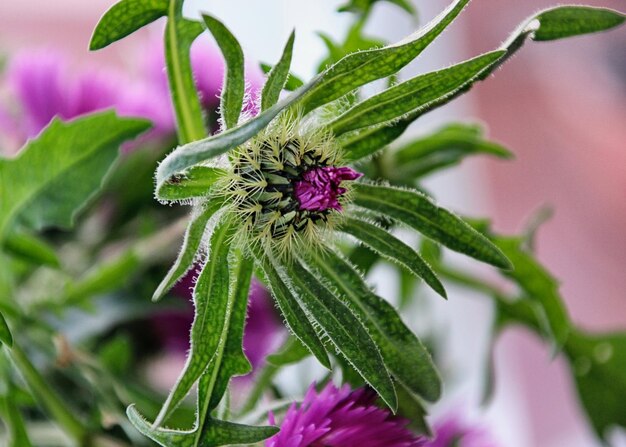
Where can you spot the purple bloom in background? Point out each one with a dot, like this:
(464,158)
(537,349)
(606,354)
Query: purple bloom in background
(453,431)
(320,187)
(341,418)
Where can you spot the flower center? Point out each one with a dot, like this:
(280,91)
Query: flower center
(320,187)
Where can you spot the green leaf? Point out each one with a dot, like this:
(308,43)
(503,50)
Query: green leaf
(355,41)
(278,75)
(412,95)
(539,286)
(361,144)
(345,331)
(295,317)
(179,35)
(17,432)
(404,355)
(211,299)
(293,82)
(5,333)
(31,249)
(195,182)
(216,433)
(231,98)
(364,6)
(598,362)
(363,67)
(190,154)
(444,148)
(567,21)
(419,212)
(124,18)
(191,244)
(54,176)
(393,249)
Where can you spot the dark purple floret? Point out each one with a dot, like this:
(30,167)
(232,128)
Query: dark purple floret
(320,187)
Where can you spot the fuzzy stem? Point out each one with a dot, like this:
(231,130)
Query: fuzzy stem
(47,397)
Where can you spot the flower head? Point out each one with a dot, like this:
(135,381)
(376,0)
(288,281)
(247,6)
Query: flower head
(286,186)
(340,417)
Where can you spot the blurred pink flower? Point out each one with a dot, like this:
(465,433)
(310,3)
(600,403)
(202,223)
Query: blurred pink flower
(453,431)
(340,417)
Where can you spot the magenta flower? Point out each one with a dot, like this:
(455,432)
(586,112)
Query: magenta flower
(320,187)
(454,432)
(341,418)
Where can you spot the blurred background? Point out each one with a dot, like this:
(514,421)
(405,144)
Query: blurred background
(560,107)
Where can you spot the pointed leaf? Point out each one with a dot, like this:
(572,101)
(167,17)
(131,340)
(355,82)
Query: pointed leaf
(31,249)
(419,212)
(345,331)
(5,333)
(293,82)
(404,355)
(295,317)
(412,95)
(567,21)
(364,143)
(363,67)
(53,177)
(124,18)
(393,249)
(278,76)
(188,252)
(234,86)
(179,35)
(211,305)
(443,148)
(195,182)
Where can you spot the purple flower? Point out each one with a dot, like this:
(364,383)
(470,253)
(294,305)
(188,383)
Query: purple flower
(341,418)
(320,187)
(452,431)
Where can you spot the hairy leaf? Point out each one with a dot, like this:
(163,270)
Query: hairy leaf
(419,212)
(53,177)
(179,35)
(404,355)
(293,82)
(188,252)
(231,98)
(567,21)
(295,317)
(345,331)
(124,18)
(412,95)
(195,182)
(211,300)
(277,77)
(393,249)
(363,67)
(444,148)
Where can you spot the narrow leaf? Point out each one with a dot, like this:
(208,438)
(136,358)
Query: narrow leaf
(567,21)
(412,95)
(393,249)
(195,182)
(404,355)
(362,144)
(295,317)
(231,97)
(345,331)
(278,76)
(53,177)
(5,333)
(211,305)
(443,148)
(293,82)
(188,252)
(31,249)
(124,18)
(179,35)
(419,212)
(363,67)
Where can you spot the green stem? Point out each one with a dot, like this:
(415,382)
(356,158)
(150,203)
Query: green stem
(47,397)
